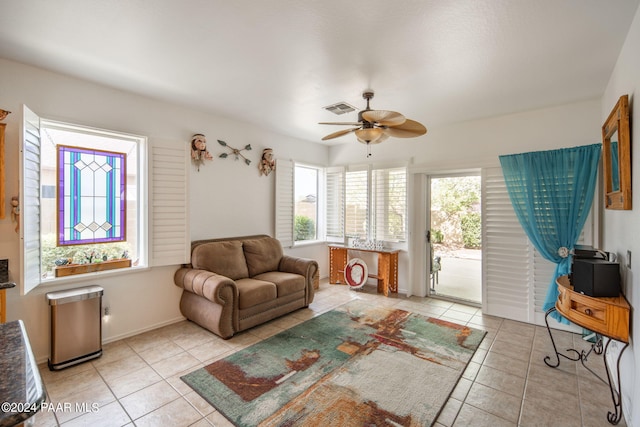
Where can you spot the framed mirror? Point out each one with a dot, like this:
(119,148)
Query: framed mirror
(616,157)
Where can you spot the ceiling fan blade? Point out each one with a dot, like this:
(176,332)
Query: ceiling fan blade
(384,117)
(409,129)
(341,123)
(375,141)
(339,133)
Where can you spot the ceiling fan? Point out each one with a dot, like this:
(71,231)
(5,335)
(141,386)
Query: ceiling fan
(375,126)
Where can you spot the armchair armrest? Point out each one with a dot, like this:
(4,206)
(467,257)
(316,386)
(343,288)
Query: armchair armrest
(305,267)
(212,286)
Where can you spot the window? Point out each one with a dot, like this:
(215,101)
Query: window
(365,202)
(299,203)
(141,215)
(306,203)
(375,204)
(94,214)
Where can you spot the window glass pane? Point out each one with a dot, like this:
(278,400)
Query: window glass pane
(92,196)
(306,203)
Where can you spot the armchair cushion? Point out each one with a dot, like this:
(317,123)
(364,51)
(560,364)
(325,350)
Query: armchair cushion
(253,292)
(286,283)
(225,258)
(262,255)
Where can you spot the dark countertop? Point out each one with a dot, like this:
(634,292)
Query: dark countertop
(7,285)
(21,389)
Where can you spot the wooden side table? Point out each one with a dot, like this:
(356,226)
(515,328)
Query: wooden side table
(387,274)
(608,317)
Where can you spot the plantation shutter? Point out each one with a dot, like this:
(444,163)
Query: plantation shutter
(284,214)
(389,204)
(356,217)
(169,216)
(506,253)
(335,204)
(30,201)
(516,274)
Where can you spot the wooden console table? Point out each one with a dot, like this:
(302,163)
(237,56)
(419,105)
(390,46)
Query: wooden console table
(608,317)
(387,267)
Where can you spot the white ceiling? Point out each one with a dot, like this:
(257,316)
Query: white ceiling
(276,63)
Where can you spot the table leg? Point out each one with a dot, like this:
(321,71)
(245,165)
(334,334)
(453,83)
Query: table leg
(383,273)
(615,416)
(337,262)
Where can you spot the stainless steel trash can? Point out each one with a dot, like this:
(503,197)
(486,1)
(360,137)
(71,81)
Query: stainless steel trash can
(76,326)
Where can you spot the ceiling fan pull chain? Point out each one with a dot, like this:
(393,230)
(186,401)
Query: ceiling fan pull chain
(368,149)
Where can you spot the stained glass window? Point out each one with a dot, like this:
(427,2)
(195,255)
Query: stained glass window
(91,196)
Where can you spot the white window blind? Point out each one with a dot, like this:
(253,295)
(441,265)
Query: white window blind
(517,276)
(506,253)
(335,204)
(356,216)
(170,203)
(389,202)
(284,202)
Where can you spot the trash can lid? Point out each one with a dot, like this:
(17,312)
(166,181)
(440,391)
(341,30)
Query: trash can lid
(77,294)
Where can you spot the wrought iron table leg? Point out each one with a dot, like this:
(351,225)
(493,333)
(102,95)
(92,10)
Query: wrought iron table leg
(547,359)
(615,416)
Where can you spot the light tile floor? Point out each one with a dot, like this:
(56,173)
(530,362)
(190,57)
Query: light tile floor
(137,380)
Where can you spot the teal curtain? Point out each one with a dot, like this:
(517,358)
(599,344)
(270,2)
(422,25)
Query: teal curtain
(551,193)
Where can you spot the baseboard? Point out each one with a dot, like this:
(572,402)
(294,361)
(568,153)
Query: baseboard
(143,330)
(44,359)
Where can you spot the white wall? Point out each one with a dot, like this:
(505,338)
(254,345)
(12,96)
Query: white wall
(227,197)
(621,228)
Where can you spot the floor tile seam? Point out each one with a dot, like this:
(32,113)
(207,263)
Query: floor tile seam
(475,380)
(529,379)
(122,340)
(487,412)
(521,396)
(130,420)
(116,397)
(457,411)
(509,356)
(526,382)
(180,396)
(184,396)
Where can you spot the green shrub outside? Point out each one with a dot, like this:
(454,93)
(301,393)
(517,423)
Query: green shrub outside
(78,254)
(471,230)
(305,228)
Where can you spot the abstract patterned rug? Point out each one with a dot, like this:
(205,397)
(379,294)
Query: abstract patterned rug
(353,366)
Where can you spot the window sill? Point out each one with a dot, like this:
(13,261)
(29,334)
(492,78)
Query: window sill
(85,277)
(74,269)
(303,243)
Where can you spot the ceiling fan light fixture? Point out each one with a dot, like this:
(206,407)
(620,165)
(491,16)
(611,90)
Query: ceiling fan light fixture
(368,135)
(375,126)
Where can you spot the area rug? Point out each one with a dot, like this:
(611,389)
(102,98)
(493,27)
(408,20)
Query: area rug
(357,365)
